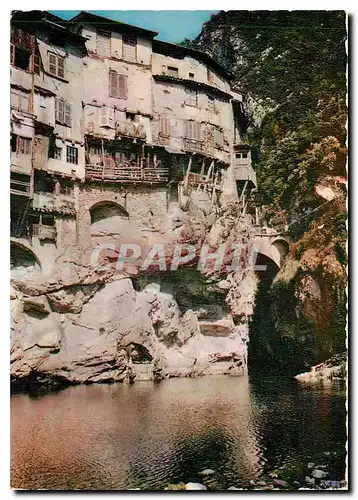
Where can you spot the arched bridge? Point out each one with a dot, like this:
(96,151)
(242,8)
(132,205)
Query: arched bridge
(271,244)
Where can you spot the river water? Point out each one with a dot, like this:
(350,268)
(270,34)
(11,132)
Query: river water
(106,437)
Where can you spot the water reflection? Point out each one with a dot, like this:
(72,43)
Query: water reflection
(148,435)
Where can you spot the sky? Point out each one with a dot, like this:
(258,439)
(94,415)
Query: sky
(172,25)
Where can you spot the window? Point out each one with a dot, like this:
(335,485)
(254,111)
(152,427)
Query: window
(106,117)
(193,130)
(244,155)
(56,65)
(211,103)
(20,145)
(72,155)
(57,153)
(241,155)
(23,51)
(63,112)
(172,71)
(117,85)
(191,97)
(130,116)
(191,75)
(164,126)
(19,99)
(103,43)
(129,47)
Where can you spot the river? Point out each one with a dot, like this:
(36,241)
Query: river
(145,435)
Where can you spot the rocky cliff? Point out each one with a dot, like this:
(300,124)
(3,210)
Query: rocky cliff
(292,67)
(89,324)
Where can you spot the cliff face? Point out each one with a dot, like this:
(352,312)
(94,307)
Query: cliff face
(87,325)
(292,67)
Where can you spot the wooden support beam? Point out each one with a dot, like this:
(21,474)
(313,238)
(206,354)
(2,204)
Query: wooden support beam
(186,179)
(202,171)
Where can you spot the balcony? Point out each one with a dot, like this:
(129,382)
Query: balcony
(130,129)
(50,202)
(243,171)
(43,232)
(193,146)
(116,173)
(22,188)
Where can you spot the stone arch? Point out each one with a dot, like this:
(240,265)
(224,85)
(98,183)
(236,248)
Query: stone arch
(282,246)
(106,209)
(23,259)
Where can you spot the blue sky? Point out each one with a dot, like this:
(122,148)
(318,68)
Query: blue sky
(173,25)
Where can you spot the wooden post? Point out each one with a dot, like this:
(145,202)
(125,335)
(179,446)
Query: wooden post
(102,158)
(201,175)
(186,180)
(208,175)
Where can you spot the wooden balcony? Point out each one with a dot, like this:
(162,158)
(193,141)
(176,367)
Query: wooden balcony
(194,146)
(22,188)
(116,173)
(243,171)
(130,129)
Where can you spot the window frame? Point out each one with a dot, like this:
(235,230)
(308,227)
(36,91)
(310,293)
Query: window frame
(119,91)
(129,40)
(56,65)
(104,34)
(64,115)
(72,153)
(173,69)
(189,100)
(21,141)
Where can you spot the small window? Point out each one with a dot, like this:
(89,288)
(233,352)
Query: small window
(244,155)
(19,100)
(238,156)
(72,155)
(63,112)
(172,71)
(57,153)
(211,102)
(20,145)
(191,97)
(48,220)
(106,118)
(21,58)
(193,130)
(103,43)
(130,116)
(117,85)
(192,76)
(56,65)
(129,48)
(164,126)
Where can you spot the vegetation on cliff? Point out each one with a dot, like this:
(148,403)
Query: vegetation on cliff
(291,67)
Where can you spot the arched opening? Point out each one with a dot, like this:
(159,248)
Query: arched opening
(22,260)
(107,210)
(282,246)
(261,327)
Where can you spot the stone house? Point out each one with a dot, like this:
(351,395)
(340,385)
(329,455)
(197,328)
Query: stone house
(107,120)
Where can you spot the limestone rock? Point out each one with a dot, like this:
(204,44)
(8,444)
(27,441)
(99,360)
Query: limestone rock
(195,486)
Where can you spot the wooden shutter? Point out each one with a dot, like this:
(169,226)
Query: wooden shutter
(103,43)
(164,125)
(52,64)
(35,64)
(67,114)
(60,67)
(122,85)
(117,85)
(60,110)
(129,47)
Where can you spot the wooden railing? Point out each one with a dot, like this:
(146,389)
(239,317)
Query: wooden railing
(194,146)
(20,187)
(119,174)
